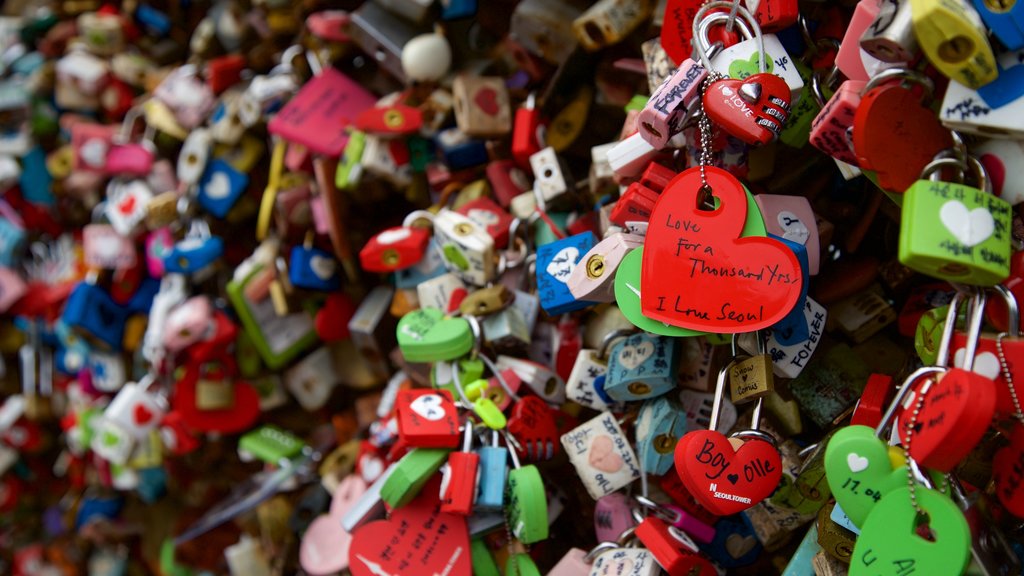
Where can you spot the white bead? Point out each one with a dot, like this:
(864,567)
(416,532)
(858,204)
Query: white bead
(426,57)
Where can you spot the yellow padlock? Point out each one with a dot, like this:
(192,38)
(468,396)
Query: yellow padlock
(952,36)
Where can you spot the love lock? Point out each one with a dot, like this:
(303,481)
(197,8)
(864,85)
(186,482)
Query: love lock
(532,424)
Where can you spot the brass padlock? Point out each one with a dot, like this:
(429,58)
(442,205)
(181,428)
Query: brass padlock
(752,377)
(162,210)
(835,540)
(487,301)
(214,394)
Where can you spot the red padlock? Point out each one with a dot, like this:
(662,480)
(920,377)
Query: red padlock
(568,343)
(427,419)
(394,249)
(395,120)
(673,549)
(526,132)
(533,426)
(488,214)
(458,486)
(635,205)
(873,401)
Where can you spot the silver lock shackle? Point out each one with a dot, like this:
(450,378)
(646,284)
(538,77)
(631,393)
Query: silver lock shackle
(748,26)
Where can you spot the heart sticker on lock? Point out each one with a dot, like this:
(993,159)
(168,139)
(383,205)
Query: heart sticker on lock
(698,273)
(723,479)
(325,544)
(417,539)
(754,109)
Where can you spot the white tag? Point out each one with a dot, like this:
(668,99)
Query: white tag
(602,455)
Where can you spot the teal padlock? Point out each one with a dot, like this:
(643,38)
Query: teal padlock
(660,425)
(410,474)
(526,503)
(641,366)
(953,231)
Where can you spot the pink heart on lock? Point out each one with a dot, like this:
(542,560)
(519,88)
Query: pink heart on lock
(325,545)
(603,456)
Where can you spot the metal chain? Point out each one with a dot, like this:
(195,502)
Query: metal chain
(911,483)
(1018,414)
(705,199)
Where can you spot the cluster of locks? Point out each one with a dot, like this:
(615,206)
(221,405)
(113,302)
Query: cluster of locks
(515,287)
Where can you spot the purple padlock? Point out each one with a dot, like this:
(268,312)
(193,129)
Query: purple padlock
(613,515)
(696,529)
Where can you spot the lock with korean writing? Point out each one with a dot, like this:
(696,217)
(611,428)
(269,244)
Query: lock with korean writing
(641,366)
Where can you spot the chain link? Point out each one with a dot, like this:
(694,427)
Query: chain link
(911,425)
(705,200)
(1018,414)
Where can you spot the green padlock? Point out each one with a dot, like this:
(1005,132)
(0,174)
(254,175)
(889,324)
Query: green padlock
(442,376)
(889,544)
(953,231)
(520,565)
(482,559)
(410,474)
(426,335)
(526,501)
(798,125)
(271,444)
(809,490)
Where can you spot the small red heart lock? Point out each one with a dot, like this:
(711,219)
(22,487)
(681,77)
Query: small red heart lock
(427,419)
(753,110)
(1008,473)
(698,273)
(957,410)
(533,425)
(724,479)
(417,539)
(240,416)
(394,249)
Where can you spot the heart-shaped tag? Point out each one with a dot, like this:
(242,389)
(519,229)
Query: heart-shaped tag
(219,187)
(888,543)
(603,455)
(325,544)
(417,539)
(698,273)
(725,480)
(985,363)
(563,263)
(1008,473)
(745,68)
(426,335)
(324,267)
(753,110)
(957,411)
(859,471)
(737,545)
(969,227)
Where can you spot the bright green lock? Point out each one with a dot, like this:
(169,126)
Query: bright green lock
(526,501)
(798,125)
(888,544)
(955,232)
(928,334)
(859,471)
(809,491)
(443,378)
(410,474)
(346,177)
(271,444)
(482,559)
(520,565)
(426,335)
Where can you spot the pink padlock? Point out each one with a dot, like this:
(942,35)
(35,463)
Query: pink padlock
(830,129)
(665,111)
(792,218)
(613,515)
(574,563)
(852,60)
(132,158)
(696,529)
(12,288)
(188,323)
(92,144)
(103,247)
(158,243)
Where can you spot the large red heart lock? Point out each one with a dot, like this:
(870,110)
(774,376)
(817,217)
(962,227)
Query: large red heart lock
(242,414)
(417,539)
(699,274)
(957,410)
(724,479)
(753,110)
(1008,473)
(677,30)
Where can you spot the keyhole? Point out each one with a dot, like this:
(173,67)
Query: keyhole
(550,386)
(664,444)
(1000,6)
(463,229)
(956,49)
(647,126)
(595,266)
(390,257)
(954,269)
(594,32)
(639,388)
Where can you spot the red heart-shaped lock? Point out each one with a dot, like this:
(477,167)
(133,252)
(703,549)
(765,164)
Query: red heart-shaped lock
(753,110)
(895,136)
(957,411)
(241,416)
(533,425)
(725,480)
(332,320)
(699,274)
(1008,473)
(427,419)
(417,539)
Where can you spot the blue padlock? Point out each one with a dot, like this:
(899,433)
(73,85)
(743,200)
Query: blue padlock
(155,22)
(35,181)
(12,239)
(792,329)
(659,426)
(142,300)
(1007,25)
(152,483)
(108,507)
(313,269)
(429,267)
(459,151)
(733,528)
(641,366)
(492,475)
(1009,85)
(93,314)
(193,254)
(455,9)
(555,262)
(220,187)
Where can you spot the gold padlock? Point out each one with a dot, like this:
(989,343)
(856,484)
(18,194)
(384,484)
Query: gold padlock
(835,540)
(214,394)
(162,210)
(486,301)
(751,378)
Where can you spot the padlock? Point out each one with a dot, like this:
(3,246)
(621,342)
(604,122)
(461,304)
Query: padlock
(950,35)
(186,95)
(751,378)
(93,315)
(624,561)
(411,473)
(311,268)
(851,59)
(187,323)
(555,264)
(526,509)
(832,128)
(482,107)
(377,31)
(834,539)
(974,223)
(533,427)
(862,315)
(672,549)
(659,426)
(543,381)
(427,419)
(891,37)
(312,379)
(1005,22)
(585,385)
(634,205)
(467,249)
(594,280)
(608,22)
(601,455)
(394,249)
(613,516)
(640,367)
(988,110)
(487,301)
(426,335)
(81,78)
(220,187)
(458,487)
(126,205)
(553,185)
(506,331)
(103,247)
(493,475)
